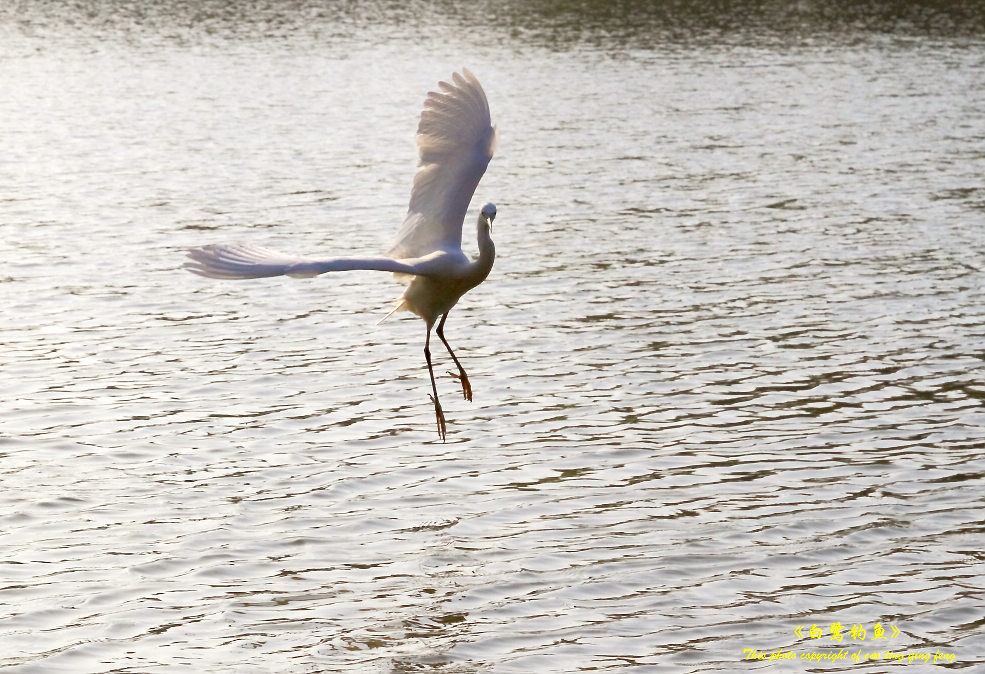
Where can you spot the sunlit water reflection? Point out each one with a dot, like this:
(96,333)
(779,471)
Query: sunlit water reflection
(728,366)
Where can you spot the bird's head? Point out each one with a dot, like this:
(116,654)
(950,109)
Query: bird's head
(489,214)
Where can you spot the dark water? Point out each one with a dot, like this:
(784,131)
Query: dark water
(728,366)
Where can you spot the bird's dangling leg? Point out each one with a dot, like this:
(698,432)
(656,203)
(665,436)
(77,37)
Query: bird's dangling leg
(438,414)
(461,376)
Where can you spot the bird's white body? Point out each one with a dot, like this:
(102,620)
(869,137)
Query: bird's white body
(432,296)
(455,140)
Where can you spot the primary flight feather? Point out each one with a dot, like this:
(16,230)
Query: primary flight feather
(455,140)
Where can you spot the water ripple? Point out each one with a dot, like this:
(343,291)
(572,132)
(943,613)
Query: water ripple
(728,367)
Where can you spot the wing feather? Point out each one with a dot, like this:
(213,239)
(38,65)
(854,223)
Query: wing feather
(235,261)
(455,140)
(239,262)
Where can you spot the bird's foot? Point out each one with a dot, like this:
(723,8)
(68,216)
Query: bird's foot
(464,381)
(440,417)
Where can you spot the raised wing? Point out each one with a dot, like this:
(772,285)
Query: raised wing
(456,140)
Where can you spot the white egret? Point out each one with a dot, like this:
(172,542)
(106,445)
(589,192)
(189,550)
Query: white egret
(456,140)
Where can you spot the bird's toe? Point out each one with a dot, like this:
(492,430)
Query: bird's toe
(439,416)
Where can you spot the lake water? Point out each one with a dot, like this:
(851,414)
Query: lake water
(728,368)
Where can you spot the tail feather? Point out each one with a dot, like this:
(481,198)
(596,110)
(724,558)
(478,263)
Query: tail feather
(400,306)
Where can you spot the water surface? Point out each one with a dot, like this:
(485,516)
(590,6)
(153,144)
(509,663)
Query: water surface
(728,366)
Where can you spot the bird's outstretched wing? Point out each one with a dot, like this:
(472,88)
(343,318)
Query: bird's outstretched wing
(455,140)
(244,262)
(240,262)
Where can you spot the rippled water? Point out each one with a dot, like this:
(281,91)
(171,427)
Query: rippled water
(728,367)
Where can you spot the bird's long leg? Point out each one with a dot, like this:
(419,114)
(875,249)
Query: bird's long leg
(438,414)
(461,376)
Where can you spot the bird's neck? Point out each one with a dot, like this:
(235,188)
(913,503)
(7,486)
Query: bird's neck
(487,250)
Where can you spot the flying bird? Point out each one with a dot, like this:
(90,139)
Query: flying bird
(455,140)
